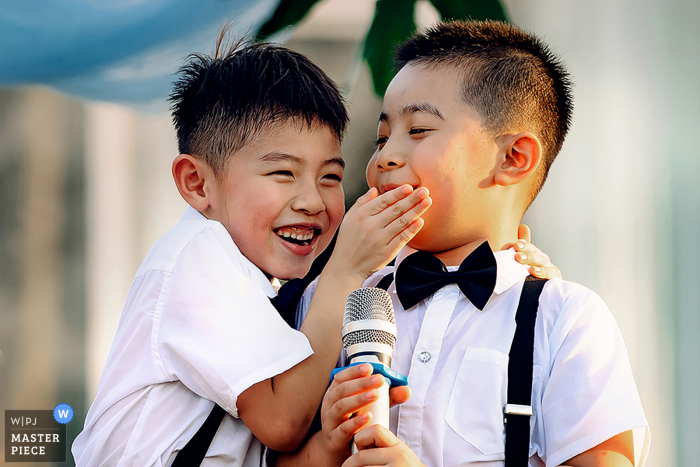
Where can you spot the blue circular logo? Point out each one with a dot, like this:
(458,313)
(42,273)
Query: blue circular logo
(63,413)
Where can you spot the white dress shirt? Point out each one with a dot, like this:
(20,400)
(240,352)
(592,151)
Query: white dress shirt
(456,360)
(197,328)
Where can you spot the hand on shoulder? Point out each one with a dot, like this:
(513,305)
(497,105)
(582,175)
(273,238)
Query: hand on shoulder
(528,254)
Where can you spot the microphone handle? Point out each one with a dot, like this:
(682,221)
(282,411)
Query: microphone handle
(379,409)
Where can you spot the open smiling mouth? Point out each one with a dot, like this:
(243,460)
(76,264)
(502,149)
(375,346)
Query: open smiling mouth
(298,235)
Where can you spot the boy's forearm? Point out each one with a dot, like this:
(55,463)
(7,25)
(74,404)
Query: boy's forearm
(312,453)
(303,388)
(290,400)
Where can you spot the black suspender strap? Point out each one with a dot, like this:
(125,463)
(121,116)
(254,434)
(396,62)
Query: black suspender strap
(520,360)
(194,451)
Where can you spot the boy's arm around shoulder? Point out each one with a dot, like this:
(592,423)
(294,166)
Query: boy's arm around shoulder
(590,396)
(279,410)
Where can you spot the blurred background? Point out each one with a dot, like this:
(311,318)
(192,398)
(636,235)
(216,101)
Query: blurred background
(86,145)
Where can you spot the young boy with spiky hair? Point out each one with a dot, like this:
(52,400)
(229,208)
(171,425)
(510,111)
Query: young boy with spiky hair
(477,113)
(259,130)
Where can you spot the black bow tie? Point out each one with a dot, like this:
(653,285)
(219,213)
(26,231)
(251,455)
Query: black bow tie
(421,274)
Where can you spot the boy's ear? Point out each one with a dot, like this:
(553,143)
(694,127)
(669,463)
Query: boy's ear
(519,156)
(194,180)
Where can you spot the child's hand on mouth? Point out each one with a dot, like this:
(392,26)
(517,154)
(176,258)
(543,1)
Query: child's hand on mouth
(377,227)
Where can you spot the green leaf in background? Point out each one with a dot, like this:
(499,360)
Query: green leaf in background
(474,9)
(392,24)
(288,13)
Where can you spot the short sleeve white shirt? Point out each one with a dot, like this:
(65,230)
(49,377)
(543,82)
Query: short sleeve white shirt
(456,360)
(197,328)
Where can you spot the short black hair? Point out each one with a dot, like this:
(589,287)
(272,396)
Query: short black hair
(221,102)
(510,77)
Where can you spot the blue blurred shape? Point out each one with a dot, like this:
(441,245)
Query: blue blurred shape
(122,50)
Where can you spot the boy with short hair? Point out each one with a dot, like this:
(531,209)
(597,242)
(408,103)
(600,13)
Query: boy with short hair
(477,113)
(259,130)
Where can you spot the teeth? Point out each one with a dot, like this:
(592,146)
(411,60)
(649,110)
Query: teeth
(301,236)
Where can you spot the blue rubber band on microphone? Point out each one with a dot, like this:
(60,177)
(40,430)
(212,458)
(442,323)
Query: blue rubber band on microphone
(392,377)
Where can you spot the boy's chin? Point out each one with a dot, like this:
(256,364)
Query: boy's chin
(286,272)
(423,241)
(431,242)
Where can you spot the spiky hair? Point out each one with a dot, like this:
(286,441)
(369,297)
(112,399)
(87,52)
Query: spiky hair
(510,77)
(221,102)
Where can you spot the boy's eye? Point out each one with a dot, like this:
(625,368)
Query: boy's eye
(334,177)
(286,173)
(381,141)
(418,131)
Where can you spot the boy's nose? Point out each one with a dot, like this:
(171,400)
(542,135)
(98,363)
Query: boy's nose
(308,201)
(388,159)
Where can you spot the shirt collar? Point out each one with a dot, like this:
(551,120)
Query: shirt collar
(508,271)
(254,272)
(191,214)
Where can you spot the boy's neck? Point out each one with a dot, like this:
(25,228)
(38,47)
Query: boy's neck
(501,239)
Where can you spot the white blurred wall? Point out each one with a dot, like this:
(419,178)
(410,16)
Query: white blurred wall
(606,216)
(131,201)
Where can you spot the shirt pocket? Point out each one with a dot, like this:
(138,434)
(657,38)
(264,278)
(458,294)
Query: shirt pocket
(475,409)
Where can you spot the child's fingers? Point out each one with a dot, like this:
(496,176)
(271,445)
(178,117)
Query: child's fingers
(524,233)
(399,395)
(353,372)
(529,254)
(347,406)
(367,197)
(370,458)
(546,273)
(353,387)
(375,436)
(347,429)
(402,222)
(403,206)
(541,266)
(381,202)
(406,235)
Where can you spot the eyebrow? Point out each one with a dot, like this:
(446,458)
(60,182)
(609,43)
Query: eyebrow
(414,108)
(281,157)
(273,157)
(335,161)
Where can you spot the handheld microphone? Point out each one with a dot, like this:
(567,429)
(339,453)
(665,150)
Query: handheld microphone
(369,336)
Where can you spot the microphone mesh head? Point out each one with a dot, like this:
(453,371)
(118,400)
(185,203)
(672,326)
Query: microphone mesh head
(369,303)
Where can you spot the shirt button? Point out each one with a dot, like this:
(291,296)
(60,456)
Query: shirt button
(424,356)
